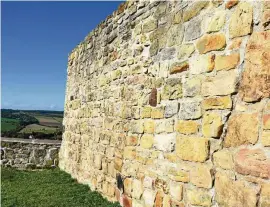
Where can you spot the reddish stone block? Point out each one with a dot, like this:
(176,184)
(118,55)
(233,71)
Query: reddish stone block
(153,97)
(252,162)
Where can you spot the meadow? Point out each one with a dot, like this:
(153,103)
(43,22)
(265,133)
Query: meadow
(46,188)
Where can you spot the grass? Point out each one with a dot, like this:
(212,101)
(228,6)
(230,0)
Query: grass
(8,124)
(38,128)
(47,120)
(47,188)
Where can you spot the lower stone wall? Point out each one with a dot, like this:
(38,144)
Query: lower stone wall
(25,153)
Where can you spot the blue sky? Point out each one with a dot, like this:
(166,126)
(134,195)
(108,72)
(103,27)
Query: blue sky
(36,40)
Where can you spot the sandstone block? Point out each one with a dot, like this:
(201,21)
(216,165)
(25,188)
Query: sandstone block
(236,43)
(224,159)
(157,113)
(252,162)
(265,139)
(217,22)
(149,26)
(165,142)
(128,186)
(137,126)
(266,121)
(153,97)
(137,189)
(193,29)
(212,85)
(178,175)
(224,102)
(231,3)
(130,153)
(192,87)
(193,10)
(241,20)
(149,197)
(199,197)
(149,126)
(192,149)
(234,193)
(255,84)
(164,126)
(227,62)
(201,176)
(172,89)
(190,110)
(185,51)
(211,42)
(265,195)
(212,125)
(176,190)
(171,109)
(186,127)
(147,141)
(179,67)
(159,199)
(146,112)
(118,163)
(202,64)
(240,131)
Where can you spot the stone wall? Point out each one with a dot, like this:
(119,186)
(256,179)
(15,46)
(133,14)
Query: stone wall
(29,154)
(167,104)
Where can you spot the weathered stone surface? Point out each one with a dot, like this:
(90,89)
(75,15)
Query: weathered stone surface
(165,142)
(265,195)
(190,110)
(186,127)
(193,10)
(255,80)
(159,199)
(146,112)
(198,197)
(224,102)
(150,25)
(192,149)
(149,126)
(212,87)
(118,163)
(211,42)
(227,62)
(212,125)
(235,43)
(217,22)
(179,67)
(185,50)
(234,193)
(130,153)
(265,139)
(128,186)
(241,20)
(137,189)
(157,113)
(202,64)
(179,175)
(171,109)
(176,190)
(149,197)
(153,97)
(266,121)
(252,162)
(172,89)
(137,126)
(201,176)
(193,29)
(147,141)
(224,159)
(239,130)
(192,87)
(164,126)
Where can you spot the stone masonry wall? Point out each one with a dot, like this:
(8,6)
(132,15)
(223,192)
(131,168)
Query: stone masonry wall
(29,154)
(167,104)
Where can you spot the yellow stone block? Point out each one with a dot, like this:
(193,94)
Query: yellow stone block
(157,113)
(149,126)
(227,62)
(146,112)
(212,125)
(186,127)
(192,148)
(199,197)
(147,141)
(224,102)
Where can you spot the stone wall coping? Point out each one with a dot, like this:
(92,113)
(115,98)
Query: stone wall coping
(31,141)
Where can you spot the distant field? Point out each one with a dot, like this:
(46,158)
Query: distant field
(48,121)
(8,124)
(38,128)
